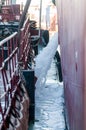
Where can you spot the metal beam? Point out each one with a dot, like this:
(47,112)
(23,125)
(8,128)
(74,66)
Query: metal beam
(40,13)
(23,17)
(22,20)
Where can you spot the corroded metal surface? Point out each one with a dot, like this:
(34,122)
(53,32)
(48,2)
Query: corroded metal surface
(72,24)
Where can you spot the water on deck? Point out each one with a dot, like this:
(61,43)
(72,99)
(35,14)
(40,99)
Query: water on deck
(49,97)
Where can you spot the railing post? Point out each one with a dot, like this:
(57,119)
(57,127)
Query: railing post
(0,60)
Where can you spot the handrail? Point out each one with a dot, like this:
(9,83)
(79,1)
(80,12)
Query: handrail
(7,59)
(8,38)
(9,63)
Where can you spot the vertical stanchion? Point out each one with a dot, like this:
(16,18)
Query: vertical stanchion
(40,13)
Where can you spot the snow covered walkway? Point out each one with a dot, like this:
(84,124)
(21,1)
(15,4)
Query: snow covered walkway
(49,98)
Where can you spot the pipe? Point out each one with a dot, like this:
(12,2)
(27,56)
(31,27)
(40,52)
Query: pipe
(23,19)
(24,14)
(40,13)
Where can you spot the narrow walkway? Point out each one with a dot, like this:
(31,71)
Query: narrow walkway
(49,109)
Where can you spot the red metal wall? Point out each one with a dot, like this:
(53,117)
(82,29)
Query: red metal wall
(10,13)
(72,33)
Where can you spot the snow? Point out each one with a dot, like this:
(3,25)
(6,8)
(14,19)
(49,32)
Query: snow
(49,92)
(44,59)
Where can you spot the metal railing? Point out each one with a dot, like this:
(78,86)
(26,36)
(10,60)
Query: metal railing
(10,56)
(24,45)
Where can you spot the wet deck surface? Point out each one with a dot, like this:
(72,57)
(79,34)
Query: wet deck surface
(49,107)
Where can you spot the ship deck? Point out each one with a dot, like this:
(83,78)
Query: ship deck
(49,107)
(49,103)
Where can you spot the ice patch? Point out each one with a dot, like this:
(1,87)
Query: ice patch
(44,59)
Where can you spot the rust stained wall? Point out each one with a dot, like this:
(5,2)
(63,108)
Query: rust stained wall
(72,33)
